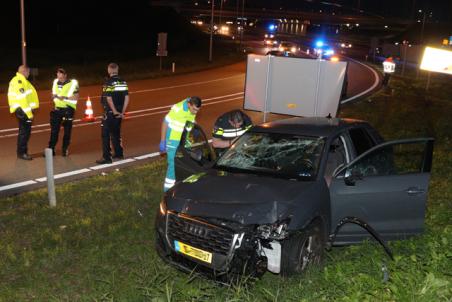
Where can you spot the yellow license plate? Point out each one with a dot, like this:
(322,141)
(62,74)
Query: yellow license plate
(192,251)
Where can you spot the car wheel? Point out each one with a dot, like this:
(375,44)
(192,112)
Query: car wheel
(303,249)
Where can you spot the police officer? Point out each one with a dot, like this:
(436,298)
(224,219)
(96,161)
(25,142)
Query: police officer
(65,96)
(171,133)
(227,128)
(22,100)
(115,99)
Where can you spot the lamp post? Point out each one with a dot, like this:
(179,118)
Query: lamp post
(242,23)
(22,26)
(421,41)
(405,47)
(221,12)
(211,31)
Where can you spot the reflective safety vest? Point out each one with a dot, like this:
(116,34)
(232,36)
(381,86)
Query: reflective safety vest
(177,118)
(232,133)
(223,129)
(65,91)
(21,94)
(389,65)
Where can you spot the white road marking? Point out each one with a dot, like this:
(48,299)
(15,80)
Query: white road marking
(116,163)
(158,88)
(127,117)
(375,84)
(63,175)
(17,185)
(150,155)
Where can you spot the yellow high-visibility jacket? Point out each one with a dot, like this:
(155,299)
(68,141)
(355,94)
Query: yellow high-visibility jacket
(21,94)
(176,119)
(64,91)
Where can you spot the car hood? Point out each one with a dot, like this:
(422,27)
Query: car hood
(243,198)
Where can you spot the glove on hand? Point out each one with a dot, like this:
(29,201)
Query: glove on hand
(162,146)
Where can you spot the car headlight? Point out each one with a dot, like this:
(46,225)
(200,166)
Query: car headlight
(277,230)
(163,207)
(293,49)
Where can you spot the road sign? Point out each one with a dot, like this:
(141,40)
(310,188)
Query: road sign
(437,60)
(161,45)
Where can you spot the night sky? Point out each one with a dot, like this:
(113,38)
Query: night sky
(73,21)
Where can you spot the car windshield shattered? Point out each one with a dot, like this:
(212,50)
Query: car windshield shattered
(280,155)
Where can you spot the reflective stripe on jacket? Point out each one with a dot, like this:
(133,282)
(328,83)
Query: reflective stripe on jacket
(22,94)
(176,119)
(65,91)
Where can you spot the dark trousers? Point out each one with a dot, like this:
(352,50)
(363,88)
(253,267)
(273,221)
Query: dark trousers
(111,131)
(386,78)
(24,131)
(61,117)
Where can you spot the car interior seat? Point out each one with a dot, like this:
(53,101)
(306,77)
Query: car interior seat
(336,159)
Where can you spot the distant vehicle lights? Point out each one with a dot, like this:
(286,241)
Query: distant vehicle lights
(329,52)
(346,45)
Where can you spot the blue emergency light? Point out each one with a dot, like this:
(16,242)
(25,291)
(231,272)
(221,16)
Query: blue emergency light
(319,43)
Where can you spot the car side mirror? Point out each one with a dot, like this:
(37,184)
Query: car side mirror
(351,176)
(196,155)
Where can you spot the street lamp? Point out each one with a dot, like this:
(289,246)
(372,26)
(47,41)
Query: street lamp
(242,22)
(22,26)
(221,11)
(211,31)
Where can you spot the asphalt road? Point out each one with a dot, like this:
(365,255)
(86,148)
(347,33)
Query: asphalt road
(221,90)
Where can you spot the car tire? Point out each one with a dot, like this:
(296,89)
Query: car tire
(303,249)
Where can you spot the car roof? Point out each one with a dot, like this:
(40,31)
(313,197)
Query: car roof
(310,126)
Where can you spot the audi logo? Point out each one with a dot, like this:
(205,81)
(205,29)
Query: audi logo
(196,230)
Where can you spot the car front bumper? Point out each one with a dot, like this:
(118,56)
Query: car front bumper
(227,251)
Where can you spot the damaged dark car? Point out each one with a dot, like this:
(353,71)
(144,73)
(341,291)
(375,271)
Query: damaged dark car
(275,199)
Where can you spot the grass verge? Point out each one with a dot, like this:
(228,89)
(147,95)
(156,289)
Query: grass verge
(97,245)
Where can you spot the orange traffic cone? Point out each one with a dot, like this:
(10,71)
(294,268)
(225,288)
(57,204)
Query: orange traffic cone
(89,113)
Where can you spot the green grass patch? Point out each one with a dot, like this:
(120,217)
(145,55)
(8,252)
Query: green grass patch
(97,244)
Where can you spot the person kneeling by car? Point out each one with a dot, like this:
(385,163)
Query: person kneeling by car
(228,127)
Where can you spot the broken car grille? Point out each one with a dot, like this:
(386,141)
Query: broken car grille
(198,234)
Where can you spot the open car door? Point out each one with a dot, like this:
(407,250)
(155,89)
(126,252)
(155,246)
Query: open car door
(194,153)
(386,187)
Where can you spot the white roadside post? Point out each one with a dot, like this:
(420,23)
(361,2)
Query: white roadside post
(50,178)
